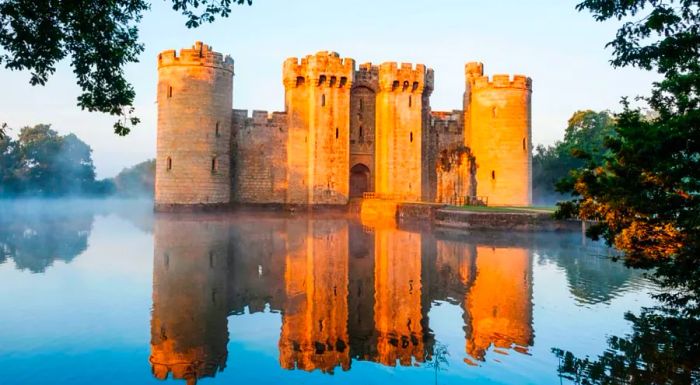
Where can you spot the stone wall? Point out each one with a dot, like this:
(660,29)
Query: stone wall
(317,102)
(195,92)
(500,135)
(260,159)
(398,161)
(363,101)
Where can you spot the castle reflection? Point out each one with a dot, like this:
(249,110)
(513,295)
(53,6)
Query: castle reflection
(345,290)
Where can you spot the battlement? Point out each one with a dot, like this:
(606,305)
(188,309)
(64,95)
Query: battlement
(259,118)
(367,75)
(502,81)
(324,69)
(199,55)
(404,77)
(474,69)
(447,116)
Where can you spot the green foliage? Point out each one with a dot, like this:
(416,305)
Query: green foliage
(135,181)
(585,133)
(645,195)
(43,163)
(100,38)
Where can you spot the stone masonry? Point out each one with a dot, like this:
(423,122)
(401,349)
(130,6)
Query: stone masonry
(345,131)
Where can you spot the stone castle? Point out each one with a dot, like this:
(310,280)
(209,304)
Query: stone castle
(345,132)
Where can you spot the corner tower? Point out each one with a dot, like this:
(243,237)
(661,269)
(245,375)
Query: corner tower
(317,101)
(399,125)
(498,130)
(195,99)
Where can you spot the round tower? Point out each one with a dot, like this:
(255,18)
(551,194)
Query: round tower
(195,100)
(498,130)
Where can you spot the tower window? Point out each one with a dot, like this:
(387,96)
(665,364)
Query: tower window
(405,85)
(166,260)
(410,136)
(361,132)
(169,164)
(333,80)
(300,81)
(217,130)
(321,80)
(524,145)
(394,85)
(493,112)
(343,81)
(362,105)
(170,91)
(493,174)
(336,132)
(213,165)
(323,100)
(410,100)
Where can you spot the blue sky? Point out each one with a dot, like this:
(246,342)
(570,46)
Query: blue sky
(561,49)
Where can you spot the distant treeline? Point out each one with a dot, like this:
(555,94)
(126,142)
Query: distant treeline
(585,134)
(42,163)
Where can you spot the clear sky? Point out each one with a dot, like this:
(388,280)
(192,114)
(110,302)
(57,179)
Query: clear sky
(561,49)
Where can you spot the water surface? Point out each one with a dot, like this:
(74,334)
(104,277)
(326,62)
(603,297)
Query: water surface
(106,292)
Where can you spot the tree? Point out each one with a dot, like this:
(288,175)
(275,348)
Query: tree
(586,131)
(645,196)
(138,180)
(100,37)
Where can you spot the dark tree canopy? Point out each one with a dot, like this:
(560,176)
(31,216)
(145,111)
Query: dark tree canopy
(586,131)
(98,37)
(645,195)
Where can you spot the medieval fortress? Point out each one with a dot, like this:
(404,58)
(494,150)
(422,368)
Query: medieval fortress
(346,131)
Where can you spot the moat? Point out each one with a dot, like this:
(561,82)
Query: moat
(112,293)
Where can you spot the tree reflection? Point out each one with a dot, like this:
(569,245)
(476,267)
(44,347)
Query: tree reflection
(34,240)
(661,349)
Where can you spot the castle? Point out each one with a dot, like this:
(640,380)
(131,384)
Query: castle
(345,132)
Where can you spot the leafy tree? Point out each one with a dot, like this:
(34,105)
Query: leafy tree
(99,37)
(645,196)
(9,166)
(585,131)
(138,180)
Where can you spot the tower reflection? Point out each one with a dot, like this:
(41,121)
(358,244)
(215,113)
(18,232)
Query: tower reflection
(345,290)
(188,325)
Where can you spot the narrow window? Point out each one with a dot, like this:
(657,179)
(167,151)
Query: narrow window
(170,92)
(361,132)
(300,81)
(213,164)
(166,260)
(493,112)
(410,100)
(343,81)
(336,132)
(524,145)
(333,80)
(321,80)
(169,164)
(405,85)
(394,85)
(362,105)
(493,174)
(217,130)
(410,136)
(323,100)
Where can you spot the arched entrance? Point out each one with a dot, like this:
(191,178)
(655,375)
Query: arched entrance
(359,180)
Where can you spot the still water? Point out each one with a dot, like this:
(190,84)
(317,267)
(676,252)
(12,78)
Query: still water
(108,293)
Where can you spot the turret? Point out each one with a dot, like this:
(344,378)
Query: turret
(195,99)
(498,129)
(317,100)
(399,126)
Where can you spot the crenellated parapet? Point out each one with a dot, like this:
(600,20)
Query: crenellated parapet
(503,81)
(199,55)
(324,69)
(405,77)
(367,75)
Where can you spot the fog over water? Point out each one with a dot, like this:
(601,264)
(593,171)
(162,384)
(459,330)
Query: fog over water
(109,292)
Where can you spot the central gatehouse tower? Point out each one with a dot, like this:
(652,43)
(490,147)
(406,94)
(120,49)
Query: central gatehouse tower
(345,132)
